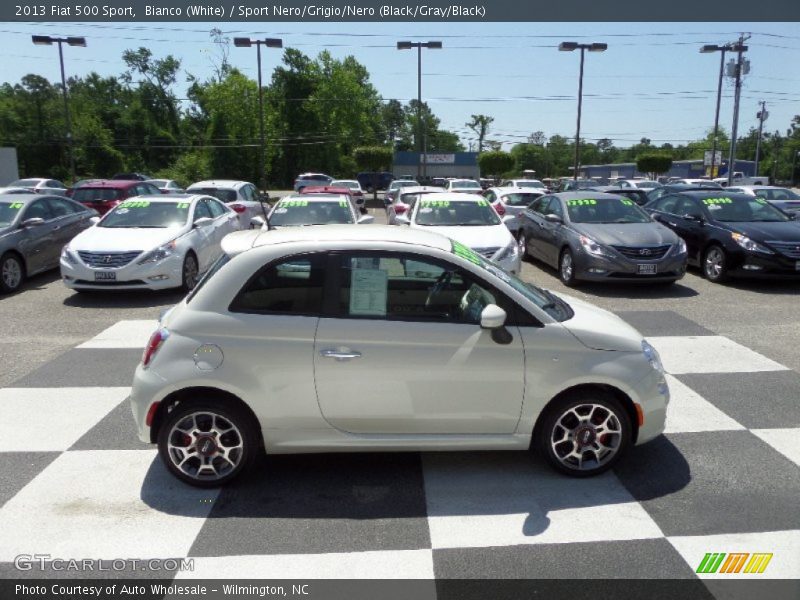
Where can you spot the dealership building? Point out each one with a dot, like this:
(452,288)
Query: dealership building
(439,164)
(690,169)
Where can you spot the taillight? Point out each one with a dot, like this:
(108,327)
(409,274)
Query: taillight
(501,210)
(400,209)
(158,338)
(238,208)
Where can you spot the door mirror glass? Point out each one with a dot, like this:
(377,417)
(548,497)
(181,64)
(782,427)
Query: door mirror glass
(33,222)
(493,317)
(202,222)
(552,218)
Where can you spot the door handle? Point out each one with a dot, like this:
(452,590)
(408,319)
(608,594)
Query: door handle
(671,223)
(340,355)
(56,227)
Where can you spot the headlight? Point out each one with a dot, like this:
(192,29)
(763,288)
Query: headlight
(652,356)
(749,245)
(67,256)
(509,252)
(593,247)
(159,253)
(680,247)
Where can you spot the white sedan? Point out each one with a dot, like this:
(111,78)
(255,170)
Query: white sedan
(258,357)
(468,219)
(149,242)
(315,209)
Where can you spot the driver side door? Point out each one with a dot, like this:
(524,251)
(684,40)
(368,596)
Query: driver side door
(400,350)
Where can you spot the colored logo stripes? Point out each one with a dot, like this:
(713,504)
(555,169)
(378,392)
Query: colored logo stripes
(734,562)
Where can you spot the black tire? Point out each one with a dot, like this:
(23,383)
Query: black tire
(522,244)
(552,426)
(715,264)
(12,273)
(567,273)
(224,415)
(190,272)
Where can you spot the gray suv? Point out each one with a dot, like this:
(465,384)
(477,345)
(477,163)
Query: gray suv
(311,179)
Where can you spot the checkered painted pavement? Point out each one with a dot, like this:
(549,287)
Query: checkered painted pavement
(76,483)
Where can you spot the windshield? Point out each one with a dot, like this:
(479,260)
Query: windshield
(9,211)
(465,184)
(519,199)
(316,212)
(146,214)
(396,185)
(159,182)
(411,199)
(221,194)
(84,194)
(605,210)
(777,194)
(742,209)
(552,305)
(353,185)
(24,183)
(448,213)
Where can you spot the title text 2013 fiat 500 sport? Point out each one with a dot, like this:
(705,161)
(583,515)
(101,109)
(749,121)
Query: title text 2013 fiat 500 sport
(339,339)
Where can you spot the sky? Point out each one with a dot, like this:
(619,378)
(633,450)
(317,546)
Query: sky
(651,82)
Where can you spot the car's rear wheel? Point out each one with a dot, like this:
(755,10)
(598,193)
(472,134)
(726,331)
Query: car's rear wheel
(585,433)
(522,244)
(190,272)
(12,273)
(566,268)
(715,264)
(207,445)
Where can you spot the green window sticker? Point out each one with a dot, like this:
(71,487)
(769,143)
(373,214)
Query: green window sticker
(482,203)
(343,203)
(135,204)
(183,205)
(17,205)
(761,200)
(582,202)
(628,202)
(293,203)
(435,203)
(710,201)
(465,252)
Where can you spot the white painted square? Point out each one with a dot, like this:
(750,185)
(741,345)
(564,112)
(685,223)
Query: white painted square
(783,545)
(506,499)
(785,442)
(123,334)
(689,412)
(53,419)
(104,504)
(387,564)
(710,354)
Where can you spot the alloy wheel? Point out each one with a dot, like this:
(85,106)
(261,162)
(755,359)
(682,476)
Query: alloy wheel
(190,272)
(205,446)
(567,267)
(11,273)
(714,264)
(586,437)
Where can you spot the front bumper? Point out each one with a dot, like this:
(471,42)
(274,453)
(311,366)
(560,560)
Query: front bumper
(653,398)
(161,275)
(757,264)
(590,267)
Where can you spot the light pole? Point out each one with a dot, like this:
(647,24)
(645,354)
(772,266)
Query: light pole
(421,142)
(740,68)
(794,161)
(569,47)
(708,48)
(46,40)
(269,43)
(762,116)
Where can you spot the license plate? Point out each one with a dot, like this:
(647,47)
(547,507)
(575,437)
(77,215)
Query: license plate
(647,269)
(105,276)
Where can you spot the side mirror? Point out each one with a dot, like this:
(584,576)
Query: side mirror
(365,220)
(695,218)
(493,317)
(257,222)
(202,222)
(263,197)
(553,218)
(508,218)
(402,220)
(34,222)
(94,220)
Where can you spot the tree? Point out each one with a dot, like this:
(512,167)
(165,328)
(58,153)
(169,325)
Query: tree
(537,138)
(654,163)
(480,125)
(374,159)
(495,163)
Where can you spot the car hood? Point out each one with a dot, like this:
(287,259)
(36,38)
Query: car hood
(600,329)
(786,231)
(121,239)
(627,234)
(490,236)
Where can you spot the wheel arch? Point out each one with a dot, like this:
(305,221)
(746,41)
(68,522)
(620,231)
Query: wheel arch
(199,393)
(624,399)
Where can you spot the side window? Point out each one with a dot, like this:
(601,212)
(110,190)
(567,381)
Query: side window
(249,193)
(539,204)
(201,210)
(687,206)
(409,287)
(293,286)
(668,204)
(490,196)
(60,208)
(554,208)
(38,210)
(216,208)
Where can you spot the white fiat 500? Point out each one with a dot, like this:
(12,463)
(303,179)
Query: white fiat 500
(469,219)
(342,339)
(149,242)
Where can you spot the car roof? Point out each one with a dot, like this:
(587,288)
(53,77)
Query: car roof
(241,241)
(170,197)
(416,189)
(452,196)
(513,189)
(615,188)
(27,197)
(325,189)
(317,197)
(580,194)
(216,183)
(762,187)
(114,184)
(710,193)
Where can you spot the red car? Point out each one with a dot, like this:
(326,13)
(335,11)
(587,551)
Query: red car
(356,201)
(106,194)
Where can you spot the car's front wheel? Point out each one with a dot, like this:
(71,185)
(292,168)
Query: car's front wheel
(566,268)
(585,433)
(715,264)
(190,272)
(205,444)
(522,244)
(12,273)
